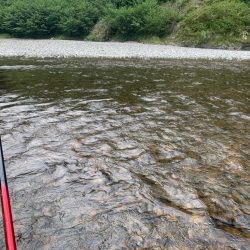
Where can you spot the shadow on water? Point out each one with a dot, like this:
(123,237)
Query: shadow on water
(127,154)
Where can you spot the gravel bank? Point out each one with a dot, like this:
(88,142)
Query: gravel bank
(62,48)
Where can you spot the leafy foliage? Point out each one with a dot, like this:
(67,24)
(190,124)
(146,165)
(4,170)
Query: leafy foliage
(78,19)
(46,18)
(142,19)
(123,3)
(26,19)
(214,21)
(197,22)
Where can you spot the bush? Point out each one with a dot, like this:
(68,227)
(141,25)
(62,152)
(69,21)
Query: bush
(123,3)
(146,18)
(78,19)
(2,20)
(26,19)
(214,22)
(47,18)
(246,1)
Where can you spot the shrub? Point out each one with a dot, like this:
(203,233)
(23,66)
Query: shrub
(78,19)
(214,22)
(146,18)
(47,18)
(246,1)
(1,20)
(123,3)
(26,19)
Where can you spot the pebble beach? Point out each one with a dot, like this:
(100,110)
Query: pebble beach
(67,48)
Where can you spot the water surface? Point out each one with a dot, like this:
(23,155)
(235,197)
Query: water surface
(127,154)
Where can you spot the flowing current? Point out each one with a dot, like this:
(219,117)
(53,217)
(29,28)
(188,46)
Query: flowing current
(127,154)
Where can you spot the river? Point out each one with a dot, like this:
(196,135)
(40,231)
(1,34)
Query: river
(127,154)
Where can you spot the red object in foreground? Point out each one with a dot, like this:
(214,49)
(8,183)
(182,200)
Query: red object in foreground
(6,208)
(7,219)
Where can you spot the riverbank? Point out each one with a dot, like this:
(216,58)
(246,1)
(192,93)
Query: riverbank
(65,48)
(222,24)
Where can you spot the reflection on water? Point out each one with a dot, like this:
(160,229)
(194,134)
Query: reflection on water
(123,154)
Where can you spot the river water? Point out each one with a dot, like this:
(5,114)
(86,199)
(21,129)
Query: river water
(127,154)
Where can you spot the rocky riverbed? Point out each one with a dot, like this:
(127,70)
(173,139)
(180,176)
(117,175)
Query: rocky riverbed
(66,48)
(125,154)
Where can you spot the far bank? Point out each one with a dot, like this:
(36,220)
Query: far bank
(223,24)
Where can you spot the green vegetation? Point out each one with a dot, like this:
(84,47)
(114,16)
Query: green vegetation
(217,23)
(145,18)
(191,22)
